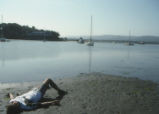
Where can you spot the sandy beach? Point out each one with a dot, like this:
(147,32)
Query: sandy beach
(95,93)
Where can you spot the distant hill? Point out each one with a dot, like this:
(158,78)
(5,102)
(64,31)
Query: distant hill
(126,38)
(149,39)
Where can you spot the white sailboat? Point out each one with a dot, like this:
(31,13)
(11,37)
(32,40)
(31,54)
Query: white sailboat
(90,42)
(2,38)
(130,43)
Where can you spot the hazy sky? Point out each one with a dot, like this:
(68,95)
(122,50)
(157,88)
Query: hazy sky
(72,17)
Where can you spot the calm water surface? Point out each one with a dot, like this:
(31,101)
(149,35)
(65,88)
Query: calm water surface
(22,61)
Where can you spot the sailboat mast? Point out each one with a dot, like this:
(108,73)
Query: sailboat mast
(91,29)
(1,19)
(1,27)
(129,35)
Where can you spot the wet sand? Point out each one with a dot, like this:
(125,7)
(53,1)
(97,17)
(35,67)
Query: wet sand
(95,93)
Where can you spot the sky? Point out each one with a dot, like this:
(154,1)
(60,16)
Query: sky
(72,17)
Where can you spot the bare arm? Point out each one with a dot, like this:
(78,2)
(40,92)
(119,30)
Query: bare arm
(41,104)
(11,96)
(56,102)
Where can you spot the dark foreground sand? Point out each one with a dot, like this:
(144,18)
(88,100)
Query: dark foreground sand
(96,94)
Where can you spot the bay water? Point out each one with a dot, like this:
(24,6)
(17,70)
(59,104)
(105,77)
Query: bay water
(22,61)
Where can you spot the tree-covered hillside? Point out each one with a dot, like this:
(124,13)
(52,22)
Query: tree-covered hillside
(16,31)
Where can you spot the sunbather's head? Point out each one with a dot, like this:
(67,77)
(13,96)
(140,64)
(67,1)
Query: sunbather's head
(13,108)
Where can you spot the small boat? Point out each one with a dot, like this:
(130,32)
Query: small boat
(3,39)
(81,41)
(142,42)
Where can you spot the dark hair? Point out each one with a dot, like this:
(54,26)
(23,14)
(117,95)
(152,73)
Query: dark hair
(13,109)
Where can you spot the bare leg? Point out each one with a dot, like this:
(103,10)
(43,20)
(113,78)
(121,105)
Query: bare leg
(48,82)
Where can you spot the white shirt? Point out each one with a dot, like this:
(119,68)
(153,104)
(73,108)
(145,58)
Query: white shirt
(34,96)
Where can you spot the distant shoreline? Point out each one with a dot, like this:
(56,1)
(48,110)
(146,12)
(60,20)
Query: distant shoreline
(116,41)
(86,40)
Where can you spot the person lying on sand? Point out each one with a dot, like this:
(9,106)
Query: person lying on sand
(31,99)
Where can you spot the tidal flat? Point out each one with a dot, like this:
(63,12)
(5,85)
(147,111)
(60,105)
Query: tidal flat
(95,93)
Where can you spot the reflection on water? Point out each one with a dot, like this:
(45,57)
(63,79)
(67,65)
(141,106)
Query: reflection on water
(2,55)
(35,60)
(90,58)
(16,50)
